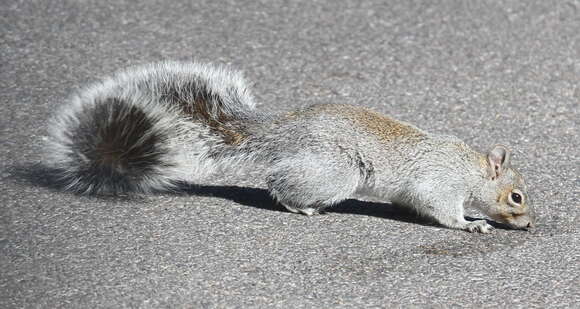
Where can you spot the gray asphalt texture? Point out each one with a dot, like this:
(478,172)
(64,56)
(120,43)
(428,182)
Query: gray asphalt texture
(487,71)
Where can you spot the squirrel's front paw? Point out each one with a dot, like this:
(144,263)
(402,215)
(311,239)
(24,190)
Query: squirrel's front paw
(480,226)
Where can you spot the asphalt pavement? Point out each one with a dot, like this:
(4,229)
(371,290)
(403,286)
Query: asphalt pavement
(486,71)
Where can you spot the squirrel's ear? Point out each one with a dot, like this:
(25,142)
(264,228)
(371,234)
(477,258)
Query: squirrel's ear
(498,159)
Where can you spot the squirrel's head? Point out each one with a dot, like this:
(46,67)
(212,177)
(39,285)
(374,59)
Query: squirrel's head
(505,197)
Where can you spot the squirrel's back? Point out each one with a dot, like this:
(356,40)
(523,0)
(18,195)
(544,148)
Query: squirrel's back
(141,129)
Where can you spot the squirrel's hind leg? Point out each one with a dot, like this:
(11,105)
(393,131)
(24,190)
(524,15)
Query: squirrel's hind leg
(308,183)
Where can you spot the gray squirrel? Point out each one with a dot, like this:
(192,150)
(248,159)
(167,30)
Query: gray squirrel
(148,128)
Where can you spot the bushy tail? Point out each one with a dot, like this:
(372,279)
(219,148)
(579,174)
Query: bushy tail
(146,128)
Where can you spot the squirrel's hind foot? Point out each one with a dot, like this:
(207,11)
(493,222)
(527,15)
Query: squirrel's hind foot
(305,211)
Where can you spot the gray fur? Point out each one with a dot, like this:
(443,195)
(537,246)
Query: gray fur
(196,120)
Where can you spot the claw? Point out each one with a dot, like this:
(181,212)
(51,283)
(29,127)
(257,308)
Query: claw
(480,226)
(305,211)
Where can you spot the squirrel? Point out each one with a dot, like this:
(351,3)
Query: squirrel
(150,127)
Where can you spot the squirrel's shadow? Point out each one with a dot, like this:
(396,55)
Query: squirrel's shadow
(39,175)
(260,198)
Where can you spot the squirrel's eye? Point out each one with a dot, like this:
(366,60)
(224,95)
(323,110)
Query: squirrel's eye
(517,198)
